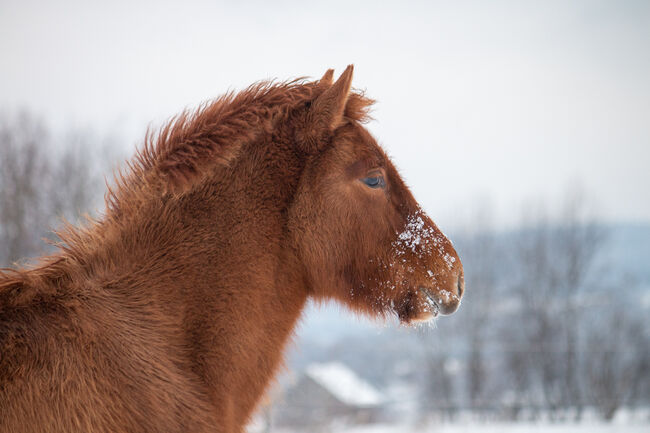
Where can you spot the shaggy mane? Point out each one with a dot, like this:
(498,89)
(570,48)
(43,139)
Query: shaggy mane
(187,146)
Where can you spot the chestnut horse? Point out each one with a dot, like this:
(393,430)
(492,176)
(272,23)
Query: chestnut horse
(170,312)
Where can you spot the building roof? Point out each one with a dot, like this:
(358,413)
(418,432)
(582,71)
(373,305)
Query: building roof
(344,384)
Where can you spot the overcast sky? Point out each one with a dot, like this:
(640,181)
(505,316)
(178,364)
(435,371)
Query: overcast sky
(505,101)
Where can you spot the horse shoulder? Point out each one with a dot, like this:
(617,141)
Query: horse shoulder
(65,350)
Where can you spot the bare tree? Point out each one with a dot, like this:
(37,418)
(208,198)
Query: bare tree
(438,393)
(578,240)
(553,259)
(483,258)
(42,180)
(616,361)
(23,165)
(531,335)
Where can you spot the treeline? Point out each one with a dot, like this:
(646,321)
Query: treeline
(45,178)
(549,326)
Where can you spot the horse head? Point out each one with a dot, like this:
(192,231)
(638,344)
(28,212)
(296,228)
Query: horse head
(362,237)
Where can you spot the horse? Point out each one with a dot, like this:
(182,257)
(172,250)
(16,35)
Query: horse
(171,310)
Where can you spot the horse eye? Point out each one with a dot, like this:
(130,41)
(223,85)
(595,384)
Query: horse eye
(374,181)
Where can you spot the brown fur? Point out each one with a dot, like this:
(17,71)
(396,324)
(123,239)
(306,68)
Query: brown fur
(170,313)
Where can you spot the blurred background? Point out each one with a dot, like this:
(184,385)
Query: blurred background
(523,128)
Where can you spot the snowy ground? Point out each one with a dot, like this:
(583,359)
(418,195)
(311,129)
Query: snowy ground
(637,421)
(633,426)
(504,428)
(489,428)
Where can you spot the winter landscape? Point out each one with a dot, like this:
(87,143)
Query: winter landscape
(521,127)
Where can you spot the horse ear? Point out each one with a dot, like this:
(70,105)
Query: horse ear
(331,104)
(325,113)
(326,81)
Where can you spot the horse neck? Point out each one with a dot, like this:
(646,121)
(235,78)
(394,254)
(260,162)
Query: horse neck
(221,264)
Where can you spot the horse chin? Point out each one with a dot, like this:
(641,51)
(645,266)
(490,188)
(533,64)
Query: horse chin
(418,308)
(424,317)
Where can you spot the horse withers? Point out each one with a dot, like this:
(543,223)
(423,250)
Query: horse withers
(170,312)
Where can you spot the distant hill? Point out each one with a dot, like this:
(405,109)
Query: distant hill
(628,249)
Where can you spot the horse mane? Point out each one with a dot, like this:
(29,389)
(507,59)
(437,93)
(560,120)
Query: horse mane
(191,143)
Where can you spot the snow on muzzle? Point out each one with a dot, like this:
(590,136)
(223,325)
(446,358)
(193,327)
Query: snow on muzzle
(431,259)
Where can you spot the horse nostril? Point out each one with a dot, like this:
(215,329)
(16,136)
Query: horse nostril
(461,284)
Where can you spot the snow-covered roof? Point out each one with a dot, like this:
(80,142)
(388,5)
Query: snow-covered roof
(344,384)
